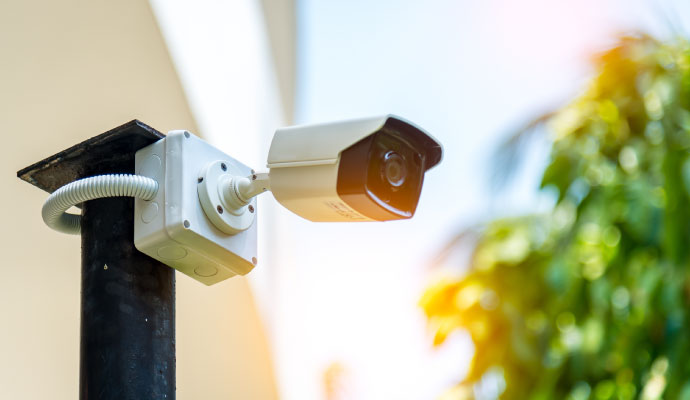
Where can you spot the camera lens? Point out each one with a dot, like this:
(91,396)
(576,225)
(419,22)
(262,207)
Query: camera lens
(393,169)
(381,176)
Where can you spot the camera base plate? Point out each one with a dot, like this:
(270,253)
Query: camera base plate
(212,178)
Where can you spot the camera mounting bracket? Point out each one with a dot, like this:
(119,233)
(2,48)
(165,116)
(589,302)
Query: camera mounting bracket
(227,215)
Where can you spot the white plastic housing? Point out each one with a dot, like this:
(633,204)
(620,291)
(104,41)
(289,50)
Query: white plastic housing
(172,228)
(310,192)
(319,144)
(304,167)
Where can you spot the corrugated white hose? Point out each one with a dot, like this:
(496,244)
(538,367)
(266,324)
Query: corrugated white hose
(95,187)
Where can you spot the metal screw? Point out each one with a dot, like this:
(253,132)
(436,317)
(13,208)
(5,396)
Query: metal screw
(186,134)
(223,167)
(220,209)
(200,179)
(251,208)
(186,223)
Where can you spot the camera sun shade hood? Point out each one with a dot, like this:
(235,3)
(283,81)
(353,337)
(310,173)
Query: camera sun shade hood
(321,144)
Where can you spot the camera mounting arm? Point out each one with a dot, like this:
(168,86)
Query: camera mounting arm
(239,190)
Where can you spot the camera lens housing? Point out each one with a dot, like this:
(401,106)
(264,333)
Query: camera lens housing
(381,176)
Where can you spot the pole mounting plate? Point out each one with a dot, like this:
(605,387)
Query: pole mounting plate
(108,152)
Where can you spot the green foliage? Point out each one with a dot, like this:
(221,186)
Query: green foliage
(592,300)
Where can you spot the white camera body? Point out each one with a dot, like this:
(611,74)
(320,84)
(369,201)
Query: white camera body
(309,166)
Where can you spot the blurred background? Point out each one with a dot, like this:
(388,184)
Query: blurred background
(333,310)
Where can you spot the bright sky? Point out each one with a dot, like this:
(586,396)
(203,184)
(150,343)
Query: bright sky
(466,71)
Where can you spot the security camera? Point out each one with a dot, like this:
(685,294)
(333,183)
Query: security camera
(362,170)
(195,206)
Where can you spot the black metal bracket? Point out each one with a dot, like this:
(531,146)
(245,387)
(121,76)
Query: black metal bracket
(115,147)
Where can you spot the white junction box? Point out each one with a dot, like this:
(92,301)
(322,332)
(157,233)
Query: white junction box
(173,227)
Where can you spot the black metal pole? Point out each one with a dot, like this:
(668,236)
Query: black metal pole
(127,298)
(127,304)
(127,310)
